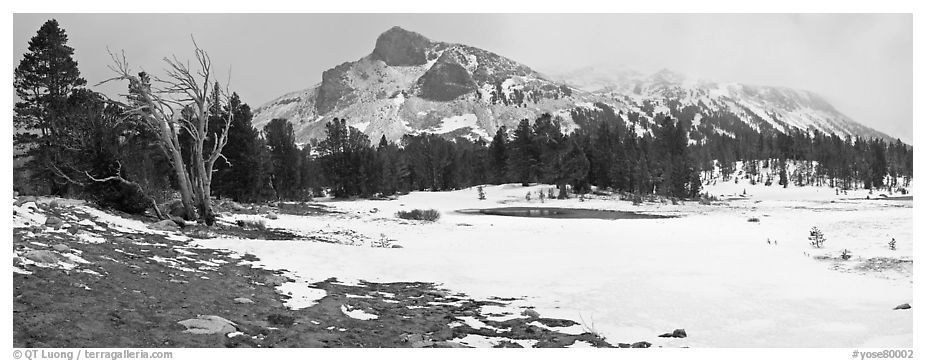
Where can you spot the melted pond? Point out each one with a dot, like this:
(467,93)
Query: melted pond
(553,212)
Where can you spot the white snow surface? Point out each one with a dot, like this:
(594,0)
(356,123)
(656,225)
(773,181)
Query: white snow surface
(708,271)
(357,313)
(460,121)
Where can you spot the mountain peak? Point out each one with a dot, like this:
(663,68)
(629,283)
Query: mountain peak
(400,47)
(410,84)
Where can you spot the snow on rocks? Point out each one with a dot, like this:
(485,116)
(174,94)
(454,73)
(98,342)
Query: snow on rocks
(575,329)
(61,248)
(480,341)
(357,313)
(42,256)
(45,259)
(208,325)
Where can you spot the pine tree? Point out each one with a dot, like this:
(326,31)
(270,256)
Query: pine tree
(284,154)
(524,158)
(43,81)
(343,152)
(238,175)
(549,142)
(573,168)
(498,156)
(816,237)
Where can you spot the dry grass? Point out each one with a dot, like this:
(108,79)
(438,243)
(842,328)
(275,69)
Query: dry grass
(429,215)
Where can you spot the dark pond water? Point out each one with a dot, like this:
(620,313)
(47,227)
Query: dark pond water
(542,212)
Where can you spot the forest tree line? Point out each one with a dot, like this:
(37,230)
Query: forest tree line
(72,141)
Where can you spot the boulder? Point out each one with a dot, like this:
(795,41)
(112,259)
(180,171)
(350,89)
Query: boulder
(54,222)
(530,313)
(200,234)
(23,200)
(641,344)
(271,215)
(41,256)
(281,320)
(903,306)
(448,344)
(243,300)
(61,248)
(678,333)
(416,340)
(275,280)
(73,229)
(208,325)
(165,225)
(178,221)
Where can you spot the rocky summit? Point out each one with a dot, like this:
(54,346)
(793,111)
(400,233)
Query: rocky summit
(410,84)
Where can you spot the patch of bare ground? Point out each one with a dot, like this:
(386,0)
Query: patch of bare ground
(119,289)
(884,267)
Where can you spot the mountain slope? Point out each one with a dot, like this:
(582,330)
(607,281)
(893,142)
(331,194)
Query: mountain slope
(410,84)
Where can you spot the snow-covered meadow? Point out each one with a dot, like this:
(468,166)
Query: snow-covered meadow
(729,282)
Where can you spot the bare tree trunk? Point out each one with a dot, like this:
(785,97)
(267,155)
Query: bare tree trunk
(172,146)
(181,102)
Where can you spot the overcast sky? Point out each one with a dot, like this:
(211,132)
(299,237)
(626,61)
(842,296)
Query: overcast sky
(862,63)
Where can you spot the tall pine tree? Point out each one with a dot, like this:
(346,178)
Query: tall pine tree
(43,81)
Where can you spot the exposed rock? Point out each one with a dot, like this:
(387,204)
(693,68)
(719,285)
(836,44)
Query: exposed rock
(41,256)
(448,344)
(416,340)
(400,47)
(61,248)
(54,222)
(903,306)
(243,300)
(200,234)
(165,225)
(208,325)
(530,313)
(641,344)
(275,280)
(334,89)
(23,200)
(678,333)
(446,80)
(281,320)
(178,221)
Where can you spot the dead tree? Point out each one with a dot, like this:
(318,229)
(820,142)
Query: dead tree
(178,103)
